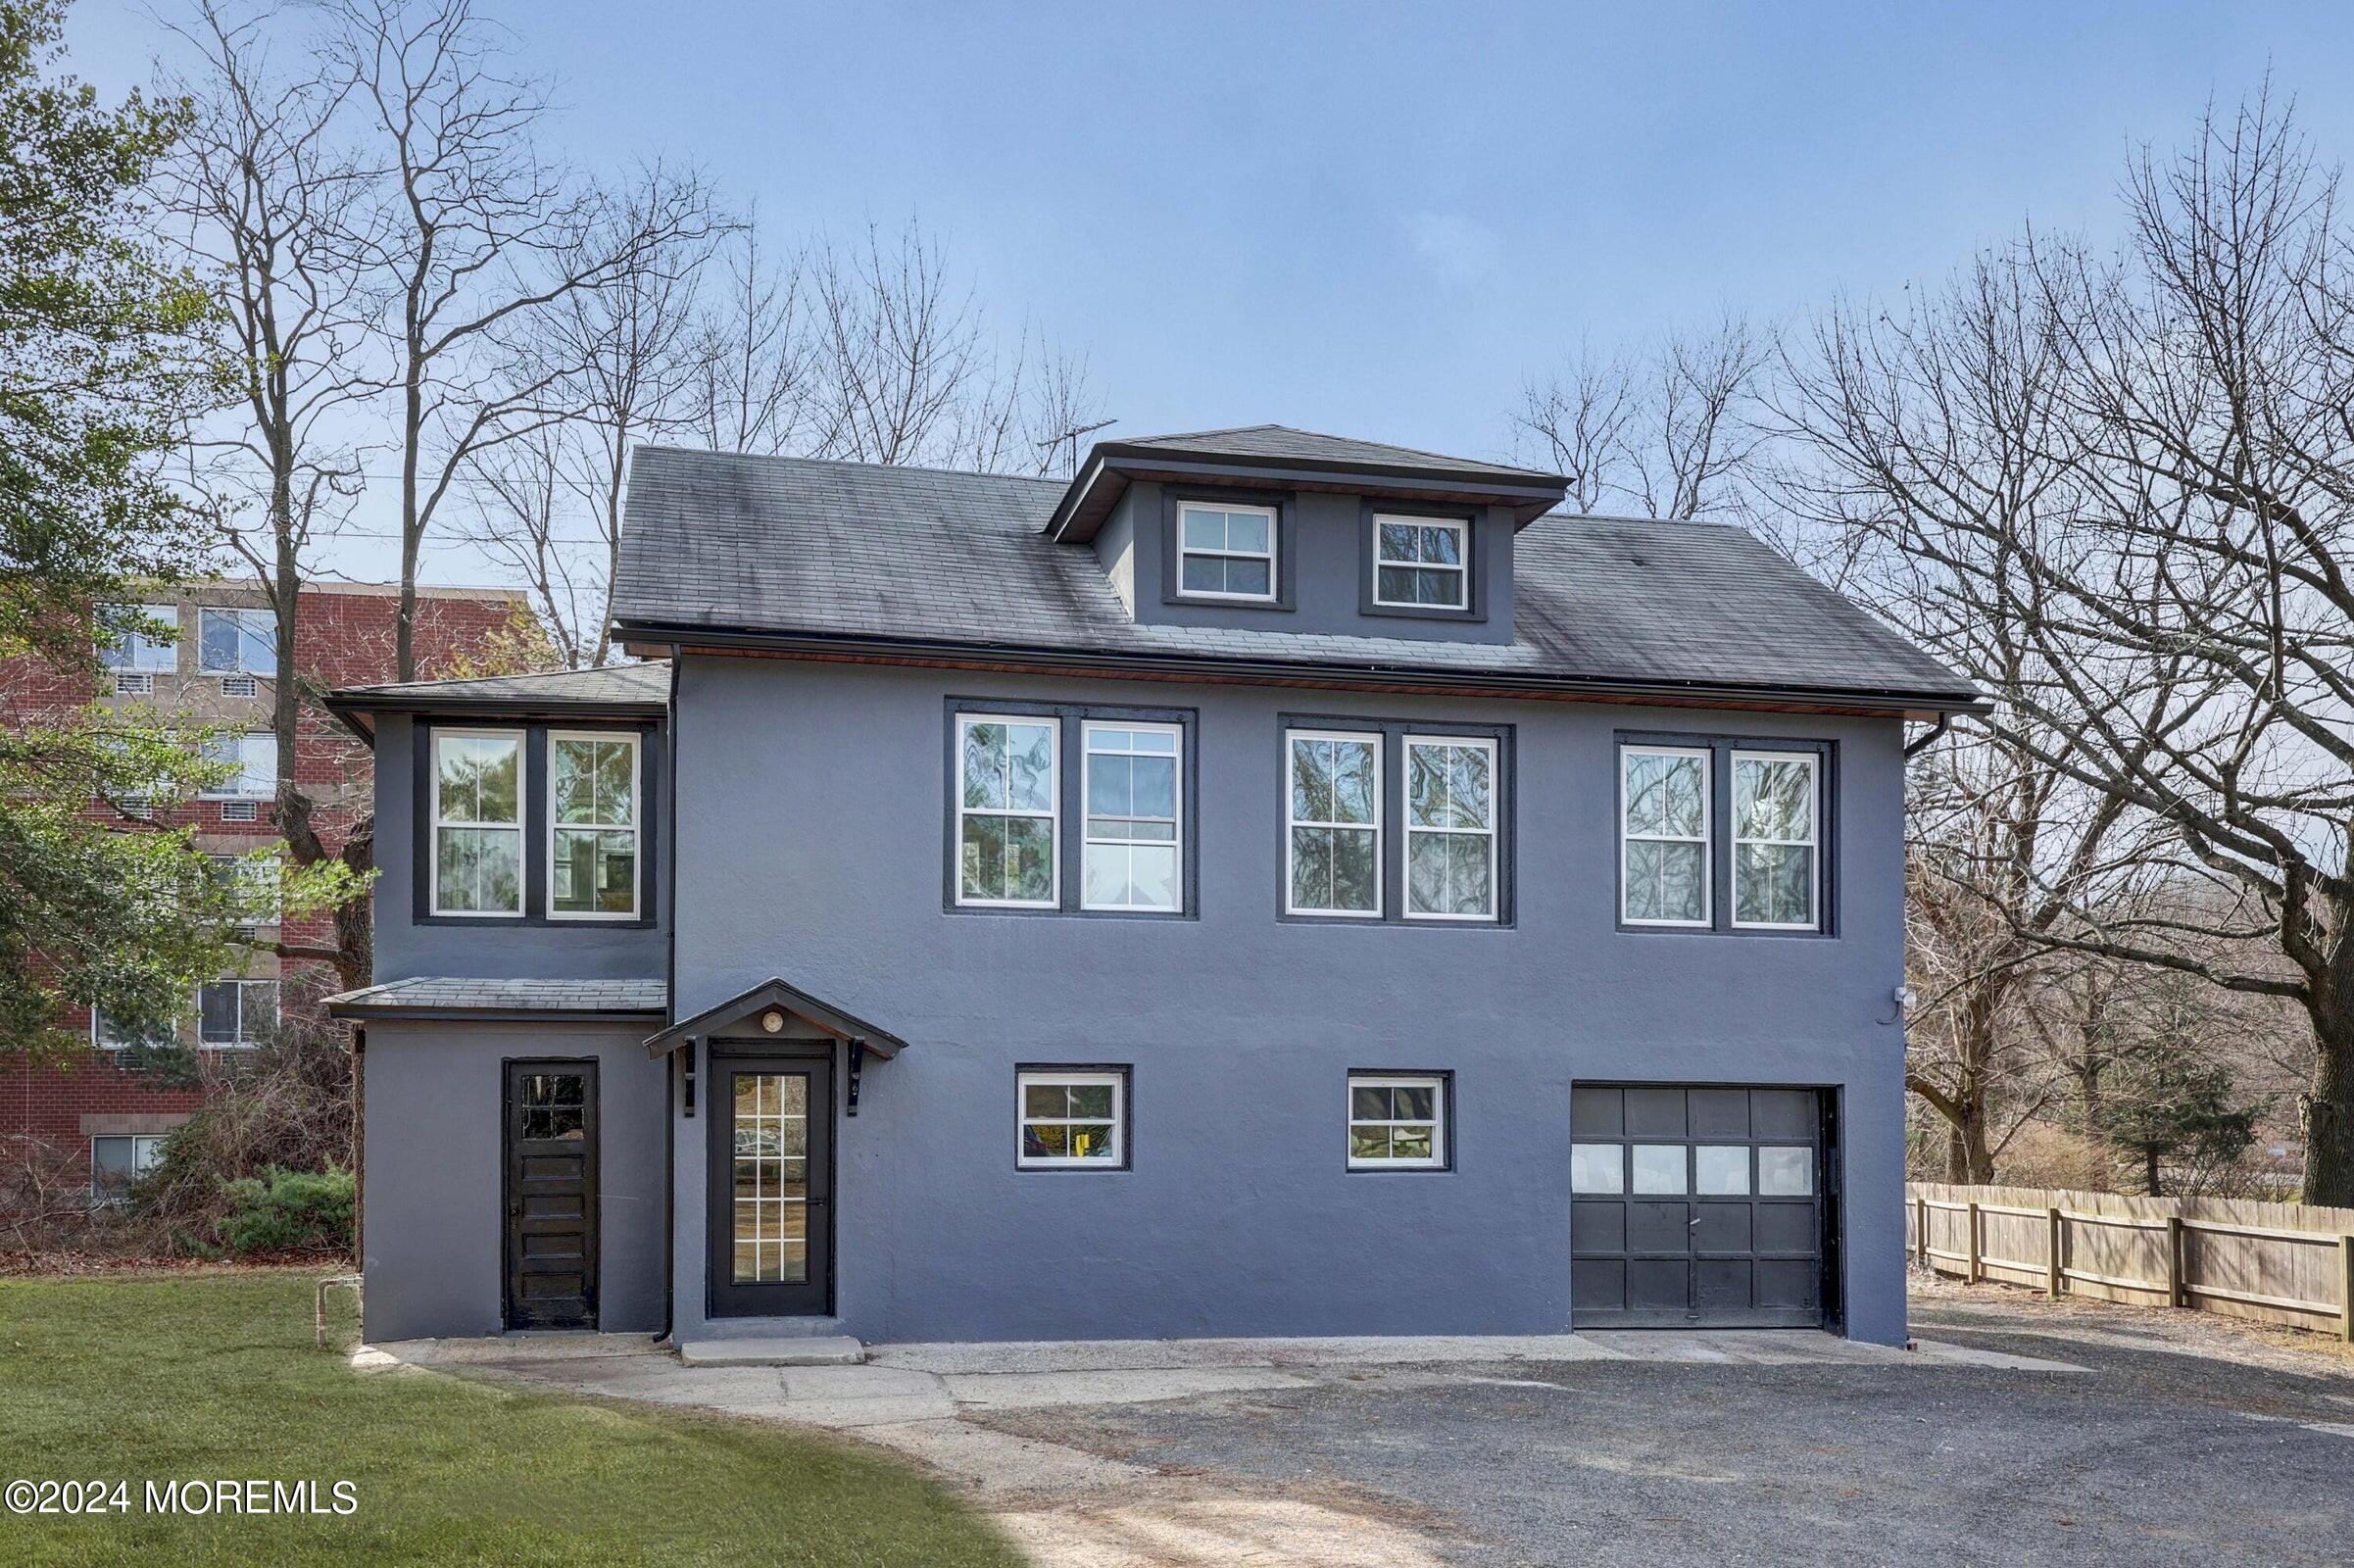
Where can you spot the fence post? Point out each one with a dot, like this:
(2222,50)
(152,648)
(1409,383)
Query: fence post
(2051,1252)
(2173,1260)
(2345,1284)
(1921,1228)
(1972,1275)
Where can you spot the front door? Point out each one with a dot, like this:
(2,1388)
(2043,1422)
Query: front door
(771,1186)
(551,1182)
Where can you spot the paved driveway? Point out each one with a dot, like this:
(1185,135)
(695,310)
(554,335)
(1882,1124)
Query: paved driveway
(2078,1433)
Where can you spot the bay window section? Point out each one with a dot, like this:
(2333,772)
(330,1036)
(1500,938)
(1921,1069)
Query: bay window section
(593,826)
(477,818)
(1134,849)
(1663,802)
(1774,840)
(1006,810)
(1451,829)
(1333,832)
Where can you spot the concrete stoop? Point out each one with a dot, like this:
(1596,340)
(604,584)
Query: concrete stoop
(835,1350)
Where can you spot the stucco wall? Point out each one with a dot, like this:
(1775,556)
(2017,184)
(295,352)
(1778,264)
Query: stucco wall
(810,842)
(434,1216)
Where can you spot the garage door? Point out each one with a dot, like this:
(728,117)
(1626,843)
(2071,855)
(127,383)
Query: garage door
(1697,1206)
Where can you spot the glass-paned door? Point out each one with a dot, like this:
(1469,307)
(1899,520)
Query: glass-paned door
(770,1192)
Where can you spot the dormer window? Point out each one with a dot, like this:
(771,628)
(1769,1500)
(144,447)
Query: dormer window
(1421,562)
(1226,551)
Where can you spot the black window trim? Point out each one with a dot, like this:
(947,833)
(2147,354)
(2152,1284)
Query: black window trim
(1124,1071)
(1070,827)
(1445,1077)
(1285,507)
(1394,733)
(1720,749)
(535,826)
(1475,597)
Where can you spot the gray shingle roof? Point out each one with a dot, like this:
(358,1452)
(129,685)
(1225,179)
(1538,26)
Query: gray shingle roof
(1285,444)
(626,685)
(451,994)
(833,550)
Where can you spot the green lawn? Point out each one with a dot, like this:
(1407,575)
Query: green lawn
(156,1378)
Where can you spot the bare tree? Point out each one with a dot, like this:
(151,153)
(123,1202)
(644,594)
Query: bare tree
(758,358)
(483,234)
(525,514)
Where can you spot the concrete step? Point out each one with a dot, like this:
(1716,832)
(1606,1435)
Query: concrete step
(838,1350)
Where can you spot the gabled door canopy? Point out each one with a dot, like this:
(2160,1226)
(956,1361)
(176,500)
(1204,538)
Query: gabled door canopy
(746,1005)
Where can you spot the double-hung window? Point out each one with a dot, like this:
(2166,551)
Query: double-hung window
(1008,809)
(1394,822)
(252,886)
(1071,1118)
(1398,1121)
(477,817)
(133,641)
(119,1160)
(1421,562)
(1719,834)
(1135,835)
(592,826)
(235,1013)
(1227,551)
(110,1034)
(254,764)
(238,642)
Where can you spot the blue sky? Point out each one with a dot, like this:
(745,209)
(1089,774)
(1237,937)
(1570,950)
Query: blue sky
(1376,218)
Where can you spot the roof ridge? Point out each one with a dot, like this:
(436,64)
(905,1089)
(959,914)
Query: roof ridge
(850,463)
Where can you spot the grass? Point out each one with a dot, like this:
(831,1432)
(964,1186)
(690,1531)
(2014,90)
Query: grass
(181,1377)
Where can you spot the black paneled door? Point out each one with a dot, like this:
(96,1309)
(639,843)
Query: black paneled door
(551,1136)
(1697,1206)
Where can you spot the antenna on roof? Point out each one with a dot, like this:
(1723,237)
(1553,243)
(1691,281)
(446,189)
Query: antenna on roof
(1071,436)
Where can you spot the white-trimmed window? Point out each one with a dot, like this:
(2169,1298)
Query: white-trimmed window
(1333,824)
(1663,812)
(1133,781)
(108,1035)
(1450,828)
(1775,840)
(238,642)
(131,647)
(477,816)
(1009,798)
(592,826)
(1397,1121)
(254,760)
(1421,563)
(1226,551)
(117,1160)
(253,884)
(1071,1118)
(233,1014)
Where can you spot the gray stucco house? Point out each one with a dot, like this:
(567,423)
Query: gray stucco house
(1268,884)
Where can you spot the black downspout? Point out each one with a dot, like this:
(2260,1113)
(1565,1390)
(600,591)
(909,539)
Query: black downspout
(671,995)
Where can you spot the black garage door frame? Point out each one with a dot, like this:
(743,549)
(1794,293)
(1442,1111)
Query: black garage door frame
(1616,1225)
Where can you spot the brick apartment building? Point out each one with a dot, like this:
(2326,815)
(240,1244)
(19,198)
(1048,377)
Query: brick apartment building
(88,1114)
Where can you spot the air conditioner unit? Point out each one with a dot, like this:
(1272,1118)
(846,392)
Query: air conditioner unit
(128,684)
(240,812)
(237,686)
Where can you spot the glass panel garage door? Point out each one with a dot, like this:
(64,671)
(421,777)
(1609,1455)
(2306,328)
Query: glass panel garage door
(1696,1208)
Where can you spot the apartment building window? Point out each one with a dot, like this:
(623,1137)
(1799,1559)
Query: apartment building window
(1720,833)
(253,762)
(108,1033)
(1071,1118)
(592,826)
(1386,820)
(117,1161)
(238,642)
(134,640)
(251,885)
(477,814)
(233,1014)
(1398,1121)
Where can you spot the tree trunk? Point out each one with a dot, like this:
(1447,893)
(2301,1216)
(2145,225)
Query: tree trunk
(2150,1182)
(2329,1119)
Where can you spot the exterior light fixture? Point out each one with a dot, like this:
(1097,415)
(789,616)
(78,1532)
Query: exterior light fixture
(773,1021)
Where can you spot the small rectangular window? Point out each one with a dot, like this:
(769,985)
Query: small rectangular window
(117,1161)
(1333,832)
(238,642)
(1663,806)
(592,826)
(477,816)
(232,1015)
(1774,840)
(1071,1120)
(1008,789)
(1226,551)
(252,883)
(1134,849)
(132,639)
(107,1034)
(1421,563)
(1786,1171)
(1597,1170)
(254,760)
(1450,828)
(1397,1121)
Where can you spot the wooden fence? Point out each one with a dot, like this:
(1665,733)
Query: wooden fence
(2276,1262)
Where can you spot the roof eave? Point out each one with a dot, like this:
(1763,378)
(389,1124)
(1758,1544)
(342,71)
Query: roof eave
(357,707)
(1110,467)
(372,1012)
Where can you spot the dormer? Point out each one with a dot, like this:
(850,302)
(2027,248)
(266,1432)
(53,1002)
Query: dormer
(1268,528)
